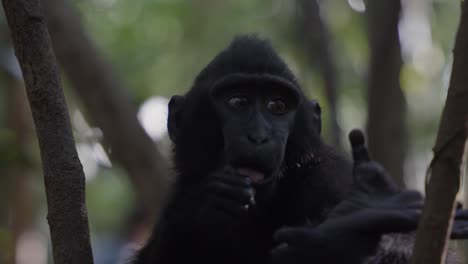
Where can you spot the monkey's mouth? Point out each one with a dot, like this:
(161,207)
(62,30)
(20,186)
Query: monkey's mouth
(258,176)
(258,170)
(255,175)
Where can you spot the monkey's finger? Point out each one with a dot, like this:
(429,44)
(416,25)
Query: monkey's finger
(384,221)
(409,199)
(295,235)
(360,153)
(229,206)
(459,229)
(461,214)
(231,177)
(282,254)
(232,192)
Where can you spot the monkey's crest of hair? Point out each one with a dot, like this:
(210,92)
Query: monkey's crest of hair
(248,54)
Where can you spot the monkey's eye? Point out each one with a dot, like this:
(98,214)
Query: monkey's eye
(277,106)
(238,102)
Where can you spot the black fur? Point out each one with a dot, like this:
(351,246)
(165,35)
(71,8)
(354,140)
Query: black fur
(310,181)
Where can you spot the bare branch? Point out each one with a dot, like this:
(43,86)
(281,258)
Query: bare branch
(63,173)
(447,165)
(314,35)
(386,125)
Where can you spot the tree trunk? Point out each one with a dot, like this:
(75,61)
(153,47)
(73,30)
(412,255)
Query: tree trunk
(386,123)
(447,164)
(105,98)
(313,34)
(63,173)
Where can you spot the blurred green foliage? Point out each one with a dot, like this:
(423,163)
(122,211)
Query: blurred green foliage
(109,199)
(6,244)
(158,46)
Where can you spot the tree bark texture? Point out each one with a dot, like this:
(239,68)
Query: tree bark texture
(447,164)
(314,35)
(386,122)
(106,99)
(63,173)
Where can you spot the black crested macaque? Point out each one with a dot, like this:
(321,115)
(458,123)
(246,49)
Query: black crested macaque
(256,183)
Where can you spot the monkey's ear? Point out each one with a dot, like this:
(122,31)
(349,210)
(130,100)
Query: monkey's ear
(317,114)
(174,114)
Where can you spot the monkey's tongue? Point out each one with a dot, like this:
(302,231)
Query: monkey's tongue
(254,175)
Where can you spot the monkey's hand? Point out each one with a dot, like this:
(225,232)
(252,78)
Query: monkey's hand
(214,209)
(460,224)
(352,230)
(348,239)
(374,187)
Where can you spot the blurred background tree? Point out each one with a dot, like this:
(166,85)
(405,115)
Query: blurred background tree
(157,47)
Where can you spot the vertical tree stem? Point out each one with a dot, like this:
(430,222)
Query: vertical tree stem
(446,167)
(63,173)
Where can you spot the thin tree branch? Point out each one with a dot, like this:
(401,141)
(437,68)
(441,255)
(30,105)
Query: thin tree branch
(386,125)
(63,173)
(449,154)
(314,35)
